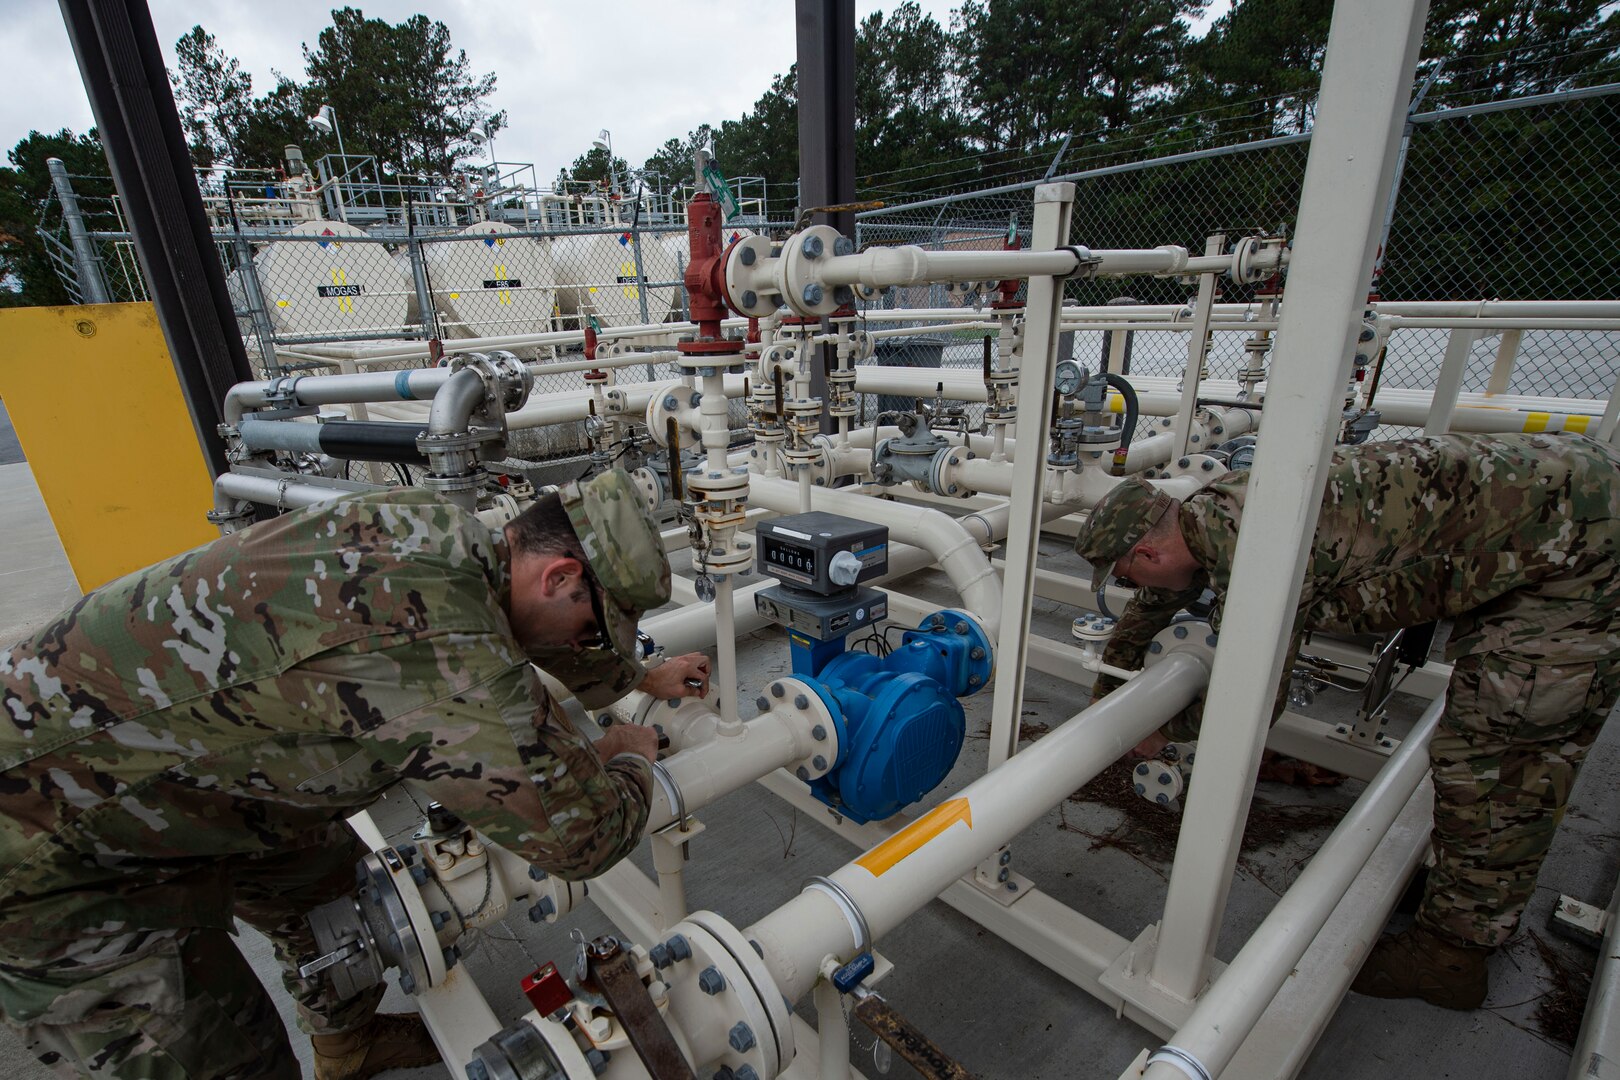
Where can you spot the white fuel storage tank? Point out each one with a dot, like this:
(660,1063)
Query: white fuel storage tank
(326,277)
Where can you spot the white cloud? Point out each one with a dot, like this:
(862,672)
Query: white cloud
(645,71)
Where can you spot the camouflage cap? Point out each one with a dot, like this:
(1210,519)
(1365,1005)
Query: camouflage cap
(1118,521)
(620,540)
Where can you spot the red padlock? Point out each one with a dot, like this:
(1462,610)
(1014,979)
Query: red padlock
(547,990)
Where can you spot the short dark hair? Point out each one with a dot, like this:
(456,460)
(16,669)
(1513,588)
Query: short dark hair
(543,528)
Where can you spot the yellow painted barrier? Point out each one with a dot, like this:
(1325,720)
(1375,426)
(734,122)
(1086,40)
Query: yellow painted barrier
(98,409)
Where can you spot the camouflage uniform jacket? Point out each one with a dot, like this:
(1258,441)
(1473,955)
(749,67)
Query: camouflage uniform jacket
(234,700)
(1516,537)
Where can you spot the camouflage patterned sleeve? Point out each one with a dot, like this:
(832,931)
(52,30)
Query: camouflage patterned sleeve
(1148,612)
(490,750)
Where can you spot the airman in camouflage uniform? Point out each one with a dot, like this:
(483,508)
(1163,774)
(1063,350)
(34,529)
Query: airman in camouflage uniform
(1517,539)
(181,746)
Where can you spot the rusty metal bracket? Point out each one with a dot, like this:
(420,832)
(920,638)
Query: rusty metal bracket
(918,1050)
(611,971)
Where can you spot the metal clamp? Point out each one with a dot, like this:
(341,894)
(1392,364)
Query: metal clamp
(672,791)
(846,903)
(1180,1059)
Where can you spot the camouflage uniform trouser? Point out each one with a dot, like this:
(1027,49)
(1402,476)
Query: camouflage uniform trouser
(171,1004)
(1504,758)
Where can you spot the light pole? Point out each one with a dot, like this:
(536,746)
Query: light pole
(604,141)
(482,136)
(325,119)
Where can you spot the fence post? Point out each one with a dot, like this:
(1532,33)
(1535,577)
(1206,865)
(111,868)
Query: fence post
(424,295)
(87,264)
(248,272)
(1400,170)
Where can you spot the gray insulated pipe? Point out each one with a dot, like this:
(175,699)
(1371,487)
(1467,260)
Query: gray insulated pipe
(353,440)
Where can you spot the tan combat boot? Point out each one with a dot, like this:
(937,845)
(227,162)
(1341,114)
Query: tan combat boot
(389,1041)
(1418,963)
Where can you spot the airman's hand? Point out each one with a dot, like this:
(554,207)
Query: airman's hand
(627,738)
(678,677)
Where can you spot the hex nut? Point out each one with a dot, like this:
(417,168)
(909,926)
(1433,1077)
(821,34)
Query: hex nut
(777,690)
(742,1038)
(800,701)
(710,981)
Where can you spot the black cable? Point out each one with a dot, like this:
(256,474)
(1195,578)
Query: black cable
(404,475)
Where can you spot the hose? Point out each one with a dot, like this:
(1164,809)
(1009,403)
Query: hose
(1133,408)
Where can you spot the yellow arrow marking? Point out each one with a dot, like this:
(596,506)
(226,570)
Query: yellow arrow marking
(504,296)
(883,858)
(628,269)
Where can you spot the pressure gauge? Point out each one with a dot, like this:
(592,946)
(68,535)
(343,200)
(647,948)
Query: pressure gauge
(1069,378)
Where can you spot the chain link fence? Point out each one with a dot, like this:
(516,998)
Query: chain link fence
(1508,199)
(1500,200)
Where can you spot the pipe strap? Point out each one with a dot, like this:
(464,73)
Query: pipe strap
(1181,1060)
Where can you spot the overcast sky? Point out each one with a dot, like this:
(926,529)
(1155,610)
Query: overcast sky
(645,71)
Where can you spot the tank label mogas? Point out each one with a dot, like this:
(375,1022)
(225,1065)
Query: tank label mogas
(889,854)
(339,290)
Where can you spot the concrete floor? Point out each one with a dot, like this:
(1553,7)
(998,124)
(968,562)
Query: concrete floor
(999,1012)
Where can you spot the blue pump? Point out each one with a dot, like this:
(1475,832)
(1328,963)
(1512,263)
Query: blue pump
(900,725)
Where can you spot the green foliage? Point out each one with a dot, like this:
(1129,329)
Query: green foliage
(595,167)
(1033,70)
(26,275)
(765,142)
(433,101)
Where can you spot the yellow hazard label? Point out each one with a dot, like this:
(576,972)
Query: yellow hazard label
(627,270)
(340,276)
(503,296)
(887,855)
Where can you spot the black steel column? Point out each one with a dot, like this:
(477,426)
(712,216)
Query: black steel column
(122,66)
(826,47)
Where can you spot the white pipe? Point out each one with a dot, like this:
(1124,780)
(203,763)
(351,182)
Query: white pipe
(710,770)
(1229,1009)
(895,878)
(952,546)
(1443,402)
(1597,1048)
(1481,309)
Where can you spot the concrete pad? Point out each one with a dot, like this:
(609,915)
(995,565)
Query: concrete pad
(36,581)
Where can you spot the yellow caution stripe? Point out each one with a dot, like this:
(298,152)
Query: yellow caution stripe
(1540,421)
(883,858)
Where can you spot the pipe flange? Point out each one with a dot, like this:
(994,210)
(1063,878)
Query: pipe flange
(673,400)
(750,288)
(508,378)
(799,273)
(795,697)
(861,346)
(650,484)
(718,561)
(1193,635)
(1202,467)
(720,485)
(946,463)
(748,995)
